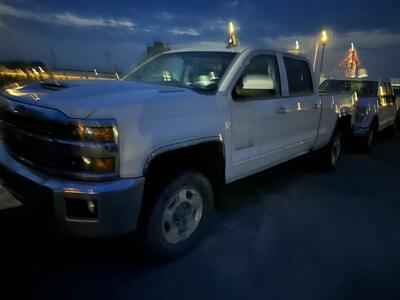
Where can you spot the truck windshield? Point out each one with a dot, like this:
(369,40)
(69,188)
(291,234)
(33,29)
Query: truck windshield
(365,88)
(201,71)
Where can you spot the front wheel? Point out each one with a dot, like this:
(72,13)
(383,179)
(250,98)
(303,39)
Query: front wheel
(330,155)
(179,215)
(368,141)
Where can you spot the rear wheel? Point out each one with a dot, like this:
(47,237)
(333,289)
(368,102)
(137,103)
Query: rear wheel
(179,215)
(395,127)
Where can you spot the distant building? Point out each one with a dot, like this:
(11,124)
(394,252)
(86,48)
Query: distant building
(156,48)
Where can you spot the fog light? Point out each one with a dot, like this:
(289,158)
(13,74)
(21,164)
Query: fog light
(81,209)
(91,206)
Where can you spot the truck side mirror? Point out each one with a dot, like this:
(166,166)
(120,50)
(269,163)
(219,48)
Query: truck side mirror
(255,86)
(258,82)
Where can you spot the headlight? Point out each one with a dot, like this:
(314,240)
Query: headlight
(97,133)
(95,145)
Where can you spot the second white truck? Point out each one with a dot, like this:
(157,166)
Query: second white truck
(148,152)
(377,107)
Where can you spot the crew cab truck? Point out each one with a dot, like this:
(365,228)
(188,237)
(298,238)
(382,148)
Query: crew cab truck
(377,107)
(147,153)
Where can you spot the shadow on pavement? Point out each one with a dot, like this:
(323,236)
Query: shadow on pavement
(287,227)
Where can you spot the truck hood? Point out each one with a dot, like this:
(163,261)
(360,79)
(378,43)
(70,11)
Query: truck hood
(81,98)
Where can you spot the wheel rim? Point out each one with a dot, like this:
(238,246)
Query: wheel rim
(182,215)
(336,150)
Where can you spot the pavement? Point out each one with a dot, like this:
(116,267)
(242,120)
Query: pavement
(292,232)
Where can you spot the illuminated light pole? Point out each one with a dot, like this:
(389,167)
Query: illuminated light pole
(315,55)
(233,40)
(298,50)
(324,40)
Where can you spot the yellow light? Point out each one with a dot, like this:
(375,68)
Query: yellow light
(100,165)
(97,134)
(381,91)
(16,92)
(324,36)
(233,40)
(106,165)
(231,28)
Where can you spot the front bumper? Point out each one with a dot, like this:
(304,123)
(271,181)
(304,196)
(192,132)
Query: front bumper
(118,202)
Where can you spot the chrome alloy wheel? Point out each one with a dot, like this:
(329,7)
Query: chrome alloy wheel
(182,215)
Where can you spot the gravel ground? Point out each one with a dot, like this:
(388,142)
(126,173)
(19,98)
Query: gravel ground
(292,232)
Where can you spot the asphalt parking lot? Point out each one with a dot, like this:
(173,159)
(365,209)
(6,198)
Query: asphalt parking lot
(293,232)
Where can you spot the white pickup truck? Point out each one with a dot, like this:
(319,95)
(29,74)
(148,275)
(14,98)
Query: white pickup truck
(147,152)
(377,107)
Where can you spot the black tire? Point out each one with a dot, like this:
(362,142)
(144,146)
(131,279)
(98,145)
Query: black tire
(330,155)
(157,233)
(368,142)
(395,127)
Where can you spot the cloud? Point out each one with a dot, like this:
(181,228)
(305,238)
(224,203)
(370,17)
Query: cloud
(370,39)
(67,19)
(184,31)
(10,11)
(74,20)
(2,25)
(167,15)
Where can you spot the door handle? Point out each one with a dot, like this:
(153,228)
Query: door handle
(282,110)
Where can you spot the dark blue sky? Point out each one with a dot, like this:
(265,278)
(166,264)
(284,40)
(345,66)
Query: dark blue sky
(105,34)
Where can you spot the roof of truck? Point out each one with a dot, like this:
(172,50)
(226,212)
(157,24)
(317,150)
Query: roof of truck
(206,48)
(222,48)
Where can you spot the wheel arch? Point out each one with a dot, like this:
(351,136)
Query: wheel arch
(345,124)
(206,155)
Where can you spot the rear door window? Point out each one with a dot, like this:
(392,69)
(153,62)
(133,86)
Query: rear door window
(299,77)
(389,93)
